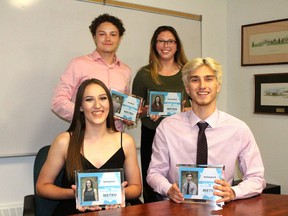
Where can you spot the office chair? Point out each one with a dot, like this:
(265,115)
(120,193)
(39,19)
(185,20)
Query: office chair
(33,204)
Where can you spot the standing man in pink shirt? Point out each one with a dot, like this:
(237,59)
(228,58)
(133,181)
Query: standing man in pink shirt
(102,64)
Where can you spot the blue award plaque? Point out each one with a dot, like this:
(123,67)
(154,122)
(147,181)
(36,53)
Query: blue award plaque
(99,187)
(164,103)
(201,181)
(126,106)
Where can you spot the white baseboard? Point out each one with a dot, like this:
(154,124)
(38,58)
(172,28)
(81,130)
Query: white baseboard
(11,209)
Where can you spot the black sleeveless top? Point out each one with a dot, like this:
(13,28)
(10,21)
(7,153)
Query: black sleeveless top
(68,207)
(89,195)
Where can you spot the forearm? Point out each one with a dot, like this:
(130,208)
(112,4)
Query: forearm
(133,192)
(63,108)
(252,169)
(158,173)
(159,183)
(54,192)
(65,92)
(249,188)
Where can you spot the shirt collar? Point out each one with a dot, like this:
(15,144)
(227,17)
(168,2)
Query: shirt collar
(211,120)
(96,57)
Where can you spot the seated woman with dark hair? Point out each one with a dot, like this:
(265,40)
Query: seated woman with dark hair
(91,142)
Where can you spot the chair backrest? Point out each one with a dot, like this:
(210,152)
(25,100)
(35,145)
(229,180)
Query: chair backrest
(44,207)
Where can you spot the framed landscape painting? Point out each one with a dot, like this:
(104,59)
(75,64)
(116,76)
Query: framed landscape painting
(265,43)
(271,93)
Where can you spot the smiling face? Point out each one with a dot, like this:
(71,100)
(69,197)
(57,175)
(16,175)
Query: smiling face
(107,38)
(166,45)
(203,87)
(95,105)
(88,184)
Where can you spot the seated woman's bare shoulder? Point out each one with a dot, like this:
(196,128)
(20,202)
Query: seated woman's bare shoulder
(128,141)
(61,142)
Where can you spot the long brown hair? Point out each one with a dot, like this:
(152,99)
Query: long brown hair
(154,63)
(78,125)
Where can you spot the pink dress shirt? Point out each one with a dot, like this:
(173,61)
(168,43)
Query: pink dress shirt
(116,76)
(229,140)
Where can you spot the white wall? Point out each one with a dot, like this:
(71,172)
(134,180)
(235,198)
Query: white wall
(221,40)
(16,173)
(43,54)
(270,130)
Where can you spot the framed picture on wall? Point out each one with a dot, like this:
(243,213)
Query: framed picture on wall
(265,43)
(271,93)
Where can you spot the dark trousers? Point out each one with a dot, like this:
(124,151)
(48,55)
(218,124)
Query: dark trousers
(147,136)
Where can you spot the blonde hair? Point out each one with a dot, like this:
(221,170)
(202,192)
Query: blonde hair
(195,63)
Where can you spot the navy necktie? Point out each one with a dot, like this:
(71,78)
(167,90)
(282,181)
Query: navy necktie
(202,149)
(188,185)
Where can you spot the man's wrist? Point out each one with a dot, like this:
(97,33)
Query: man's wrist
(232,194)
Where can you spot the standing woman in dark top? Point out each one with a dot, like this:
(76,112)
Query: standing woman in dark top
(91,142)
(163,72)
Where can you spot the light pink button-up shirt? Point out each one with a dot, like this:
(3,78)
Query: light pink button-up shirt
(116,76)
(229,140)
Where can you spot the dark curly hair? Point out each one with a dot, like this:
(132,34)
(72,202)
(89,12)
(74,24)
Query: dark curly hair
(107,18)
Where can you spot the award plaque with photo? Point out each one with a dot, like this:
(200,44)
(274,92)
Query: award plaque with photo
(164,103)
(126,106)
(99,187)
(196,182)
